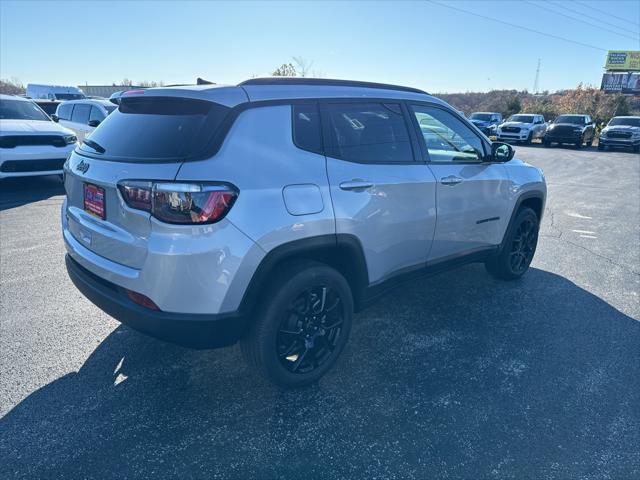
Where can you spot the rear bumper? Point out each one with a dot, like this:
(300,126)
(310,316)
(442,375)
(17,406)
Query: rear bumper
(189,330)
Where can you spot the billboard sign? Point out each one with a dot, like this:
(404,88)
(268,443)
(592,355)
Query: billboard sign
(623,60)
(628,83)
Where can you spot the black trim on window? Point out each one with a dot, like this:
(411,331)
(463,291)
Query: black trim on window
(312,104)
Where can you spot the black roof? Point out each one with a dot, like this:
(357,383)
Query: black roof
(327,82)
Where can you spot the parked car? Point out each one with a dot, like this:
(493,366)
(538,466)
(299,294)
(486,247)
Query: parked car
(208,215)
(30,142)
(53,92)
(573,129)
(487,122)
(621,132)
(522,127)
(49,106)
(83,116)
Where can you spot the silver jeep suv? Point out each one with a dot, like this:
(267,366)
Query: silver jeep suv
(270,211)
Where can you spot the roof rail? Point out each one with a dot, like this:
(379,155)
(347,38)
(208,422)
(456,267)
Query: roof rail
(327,82)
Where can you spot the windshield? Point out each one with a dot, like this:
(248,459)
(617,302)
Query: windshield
(630,121)
(481,116)
(69,96)
(575,119)
(21,110)
(156,129)
(521,118)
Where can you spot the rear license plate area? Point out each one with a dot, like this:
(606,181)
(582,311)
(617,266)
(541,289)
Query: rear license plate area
(94,200)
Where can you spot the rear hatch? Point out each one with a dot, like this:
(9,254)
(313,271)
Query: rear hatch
(147,138)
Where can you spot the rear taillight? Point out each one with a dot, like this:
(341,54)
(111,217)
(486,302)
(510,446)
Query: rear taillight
(181,203)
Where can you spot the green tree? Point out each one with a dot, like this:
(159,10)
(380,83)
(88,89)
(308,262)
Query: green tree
(285,70)
(513,106)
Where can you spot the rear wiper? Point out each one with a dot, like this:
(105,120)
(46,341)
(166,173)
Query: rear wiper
(95,145)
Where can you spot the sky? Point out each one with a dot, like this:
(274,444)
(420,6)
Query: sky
(439,46)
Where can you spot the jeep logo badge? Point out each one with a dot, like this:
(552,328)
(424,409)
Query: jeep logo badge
(82,167)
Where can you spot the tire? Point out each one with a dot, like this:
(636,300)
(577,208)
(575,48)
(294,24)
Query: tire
(590,142)
(289,342)
(579,143)
(600,147)
(529,138)
(546,142)
(519,247)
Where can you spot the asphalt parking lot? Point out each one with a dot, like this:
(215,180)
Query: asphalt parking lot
(453,376)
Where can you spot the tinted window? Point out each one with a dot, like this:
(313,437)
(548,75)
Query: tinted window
(369,132)
(96,114)
(447,138)
(522,118)
(64,111)
(21,110)
(157,129)
(306,127)
(631,121)
(575,119)
(48,107)
(81,113)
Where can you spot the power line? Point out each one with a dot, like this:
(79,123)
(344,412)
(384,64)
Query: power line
(596,18)
(599,27)
(551,35)
(609,14)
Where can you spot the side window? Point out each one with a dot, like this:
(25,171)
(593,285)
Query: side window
(369,132)
(307,133)
(81,113)
(96,114)
(447,138)
(64,111)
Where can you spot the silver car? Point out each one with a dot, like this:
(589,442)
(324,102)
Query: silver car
(268,212)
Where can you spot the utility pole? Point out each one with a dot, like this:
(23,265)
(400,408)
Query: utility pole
(536,82)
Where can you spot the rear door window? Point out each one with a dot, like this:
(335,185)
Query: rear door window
(307,133)
(81,113)
(152,129)
(368,133)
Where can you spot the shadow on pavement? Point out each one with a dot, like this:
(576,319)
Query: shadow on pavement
(15,192)
(455,376)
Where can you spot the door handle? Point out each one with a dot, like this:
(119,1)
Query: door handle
(357,185)
(451,180)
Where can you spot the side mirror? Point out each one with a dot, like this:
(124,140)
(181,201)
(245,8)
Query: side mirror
(502,152)
(94,123)
(55,118)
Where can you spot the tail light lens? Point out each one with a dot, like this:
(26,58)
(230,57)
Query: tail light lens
(180,203)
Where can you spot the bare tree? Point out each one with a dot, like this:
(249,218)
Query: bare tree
(303,66)
(12,86)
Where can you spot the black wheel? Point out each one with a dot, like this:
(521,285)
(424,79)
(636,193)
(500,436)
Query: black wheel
(519,247)
(579,142)
(600,146)
(546,142)
(301,325)
(590,142)
(529,138)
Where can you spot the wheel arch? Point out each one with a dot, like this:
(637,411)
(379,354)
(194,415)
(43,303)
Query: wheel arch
(343,252)
(533,199)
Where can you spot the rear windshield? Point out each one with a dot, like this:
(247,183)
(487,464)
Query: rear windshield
(153,129)
(69,96)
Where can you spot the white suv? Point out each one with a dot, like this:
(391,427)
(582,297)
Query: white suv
(83,116)
(523,127)
(269,211)
(30,142)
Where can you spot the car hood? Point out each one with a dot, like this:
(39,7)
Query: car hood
(32,127)
(572,125)
(623,128)
(517,124)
